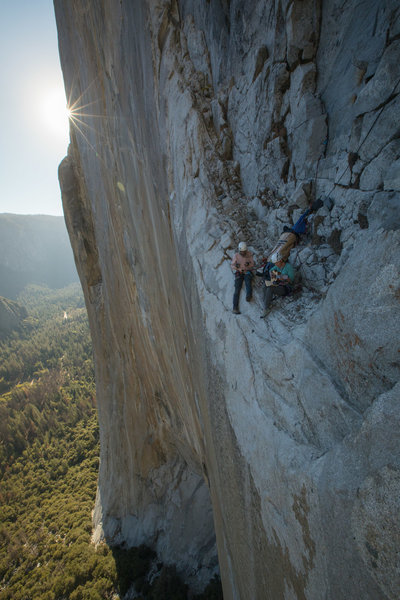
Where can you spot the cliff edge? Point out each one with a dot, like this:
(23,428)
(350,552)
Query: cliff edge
(196,125)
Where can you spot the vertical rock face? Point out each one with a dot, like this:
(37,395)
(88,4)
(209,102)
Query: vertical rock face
(197,124)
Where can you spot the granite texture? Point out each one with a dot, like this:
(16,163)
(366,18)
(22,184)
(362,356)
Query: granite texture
(275,442)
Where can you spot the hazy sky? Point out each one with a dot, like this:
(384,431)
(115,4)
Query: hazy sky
(34,125)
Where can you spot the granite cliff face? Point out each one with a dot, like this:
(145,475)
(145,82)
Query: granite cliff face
(198,124)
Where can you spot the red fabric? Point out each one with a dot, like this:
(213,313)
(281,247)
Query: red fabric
(246,262)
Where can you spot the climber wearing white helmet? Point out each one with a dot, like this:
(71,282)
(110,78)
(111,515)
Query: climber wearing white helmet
(278,280)
(242,265)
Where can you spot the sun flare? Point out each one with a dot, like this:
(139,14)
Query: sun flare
(55,112)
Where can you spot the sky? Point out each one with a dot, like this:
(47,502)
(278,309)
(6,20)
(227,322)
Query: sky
(34,123)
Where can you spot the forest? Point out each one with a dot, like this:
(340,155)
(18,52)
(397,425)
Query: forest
(49,457)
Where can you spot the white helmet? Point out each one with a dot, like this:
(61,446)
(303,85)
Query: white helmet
(275,257)
(242,247)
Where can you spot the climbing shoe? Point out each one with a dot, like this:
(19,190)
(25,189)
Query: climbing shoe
(236,311)
(265,313)
(248,298)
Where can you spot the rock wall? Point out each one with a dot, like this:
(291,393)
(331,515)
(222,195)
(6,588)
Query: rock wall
(195,125)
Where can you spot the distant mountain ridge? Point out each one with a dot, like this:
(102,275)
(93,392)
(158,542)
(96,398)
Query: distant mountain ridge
(34,249)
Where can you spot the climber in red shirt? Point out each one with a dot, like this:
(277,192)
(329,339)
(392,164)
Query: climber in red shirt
(242,265)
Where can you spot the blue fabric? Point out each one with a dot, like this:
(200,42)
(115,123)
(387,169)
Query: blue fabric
(239,277)
(267,267)
(301,224)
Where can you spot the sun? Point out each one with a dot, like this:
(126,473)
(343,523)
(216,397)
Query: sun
(54,112)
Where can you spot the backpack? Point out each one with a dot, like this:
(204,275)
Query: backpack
(284,245)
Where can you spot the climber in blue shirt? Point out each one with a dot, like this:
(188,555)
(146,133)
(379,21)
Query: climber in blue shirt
(278,281)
